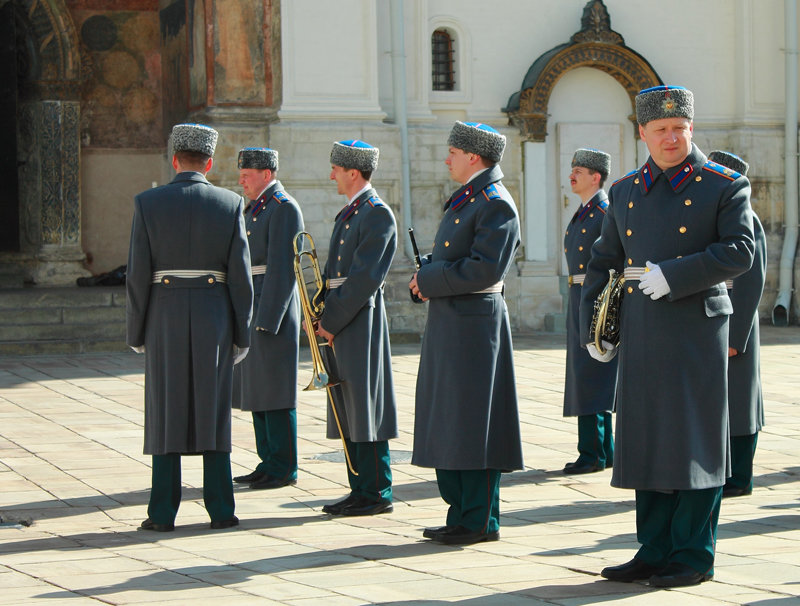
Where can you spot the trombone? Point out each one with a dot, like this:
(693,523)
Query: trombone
(313,306)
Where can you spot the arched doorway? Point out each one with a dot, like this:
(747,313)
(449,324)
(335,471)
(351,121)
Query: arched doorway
(594,79)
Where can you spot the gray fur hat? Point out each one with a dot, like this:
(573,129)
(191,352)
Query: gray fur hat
(355,154)
(477,138)
(260,158)
(664,102)
(593,159)
(194,138)
(729,160)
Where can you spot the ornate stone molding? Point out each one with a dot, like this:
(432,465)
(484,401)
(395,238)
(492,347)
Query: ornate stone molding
(595,46)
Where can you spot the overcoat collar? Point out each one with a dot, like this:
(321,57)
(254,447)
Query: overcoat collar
(348,210)
(678,176)
(599,200)
(190,175)
(493,175)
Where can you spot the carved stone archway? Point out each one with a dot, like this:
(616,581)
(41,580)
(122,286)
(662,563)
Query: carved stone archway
(596,45)
(48,145)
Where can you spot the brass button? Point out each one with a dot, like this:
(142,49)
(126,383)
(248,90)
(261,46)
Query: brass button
(211,280)
(446,243)
(472,199)
(679,257)
(339,258)
(341,241)
(629,232)
(338,274)
(347,226)
(687,169)
(630,261)
(580,266)
(248,232)
(630,204)
(583,231)
(565,249)
(630,289)
(687,202)
(580,248)
(457,221)
(255,219)
(636,180)
(698,178)
(567,232)
(682,229)
(591,214)
(166,280)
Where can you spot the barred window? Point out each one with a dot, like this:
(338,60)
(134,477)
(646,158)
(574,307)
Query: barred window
(443,60)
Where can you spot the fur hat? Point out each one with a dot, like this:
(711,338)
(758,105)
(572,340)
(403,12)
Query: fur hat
(730,160)
(477,138)
(194,138)
(355,154)
(593,159)
(664,102)
(260,158)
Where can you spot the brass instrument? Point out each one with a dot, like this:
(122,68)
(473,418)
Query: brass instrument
(313,306)
(606,316)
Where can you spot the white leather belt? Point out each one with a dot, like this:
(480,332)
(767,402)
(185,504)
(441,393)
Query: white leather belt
(258,270)
(576,279)
(494,288)
(634,273)
(163,276)
(336,282)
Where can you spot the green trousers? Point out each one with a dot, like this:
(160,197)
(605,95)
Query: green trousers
(743,449)
(373,464)
(596,439)
(680,526)
(165,493)
(276,442)
(473,496)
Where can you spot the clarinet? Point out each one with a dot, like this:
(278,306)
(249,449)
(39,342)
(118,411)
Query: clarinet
(417,261)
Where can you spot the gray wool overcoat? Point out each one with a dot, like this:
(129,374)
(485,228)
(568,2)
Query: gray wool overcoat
(362,247)
(466,413)
(745,400)
(267,377)
(188,326)
(695,222)
(589,385)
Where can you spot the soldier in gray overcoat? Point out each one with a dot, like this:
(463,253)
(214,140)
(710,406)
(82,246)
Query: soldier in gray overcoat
(189,306)
(354,321)
(678,226)
(466,422)
(589,385)
(745,400)
(267,378)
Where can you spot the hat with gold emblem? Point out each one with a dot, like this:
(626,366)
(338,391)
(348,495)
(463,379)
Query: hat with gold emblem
(477,138)
(355,154)
(593,159)
(730,160)
(194,138)
(260,158)
(664,102)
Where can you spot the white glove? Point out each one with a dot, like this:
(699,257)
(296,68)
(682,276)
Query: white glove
(611,351)
(239,354)
(653,282)
(138,348)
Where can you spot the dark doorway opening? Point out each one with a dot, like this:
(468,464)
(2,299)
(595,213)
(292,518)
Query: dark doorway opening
(9,178)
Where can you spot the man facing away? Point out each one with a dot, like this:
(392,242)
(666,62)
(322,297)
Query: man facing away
(679,227)
(190,299)
(267,378)
(589,385)
(466,423)
(354,322)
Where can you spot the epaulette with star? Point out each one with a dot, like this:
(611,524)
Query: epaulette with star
(280,197)
(722,171)
(491,192)
(375,201)
(623,177)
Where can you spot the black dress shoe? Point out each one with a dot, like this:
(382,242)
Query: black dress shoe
(148,524)
(735,491)
(229,523)
(460,535)
(335,509)
(677,574)
(635,570)
(578,468)
(268,481)
(436,533)
(253,476)
(363,506)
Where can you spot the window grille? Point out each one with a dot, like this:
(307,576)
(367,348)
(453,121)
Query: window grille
(443,60)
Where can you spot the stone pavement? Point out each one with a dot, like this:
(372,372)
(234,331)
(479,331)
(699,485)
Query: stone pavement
(74,487)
